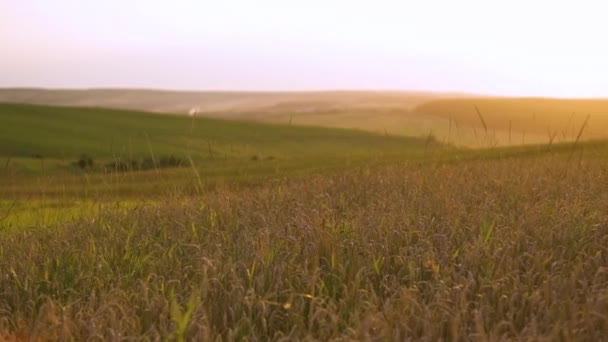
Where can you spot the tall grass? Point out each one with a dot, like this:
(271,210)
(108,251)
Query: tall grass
(508,248)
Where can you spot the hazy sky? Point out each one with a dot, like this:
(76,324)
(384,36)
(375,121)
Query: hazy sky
(515,47)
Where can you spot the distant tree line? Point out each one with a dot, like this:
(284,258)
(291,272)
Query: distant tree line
(85,162)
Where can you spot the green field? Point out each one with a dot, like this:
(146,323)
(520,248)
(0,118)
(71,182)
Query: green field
(282,232)
(64,133)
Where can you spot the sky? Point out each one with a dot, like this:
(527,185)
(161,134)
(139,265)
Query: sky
(517,47)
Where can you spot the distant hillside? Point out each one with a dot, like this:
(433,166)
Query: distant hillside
(449,117)
(225,104)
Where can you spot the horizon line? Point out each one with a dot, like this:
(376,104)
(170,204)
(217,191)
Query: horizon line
(300,91)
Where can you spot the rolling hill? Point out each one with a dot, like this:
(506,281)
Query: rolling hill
(450,118)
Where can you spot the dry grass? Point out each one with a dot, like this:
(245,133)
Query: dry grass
(506,121)
(529,120)
(514,248)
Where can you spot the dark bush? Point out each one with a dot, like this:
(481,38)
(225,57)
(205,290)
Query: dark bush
(84,162)
(171,161)
(120,165)
(148,164)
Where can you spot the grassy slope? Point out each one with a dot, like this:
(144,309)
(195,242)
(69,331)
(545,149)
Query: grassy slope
(395,121)
(60,132)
